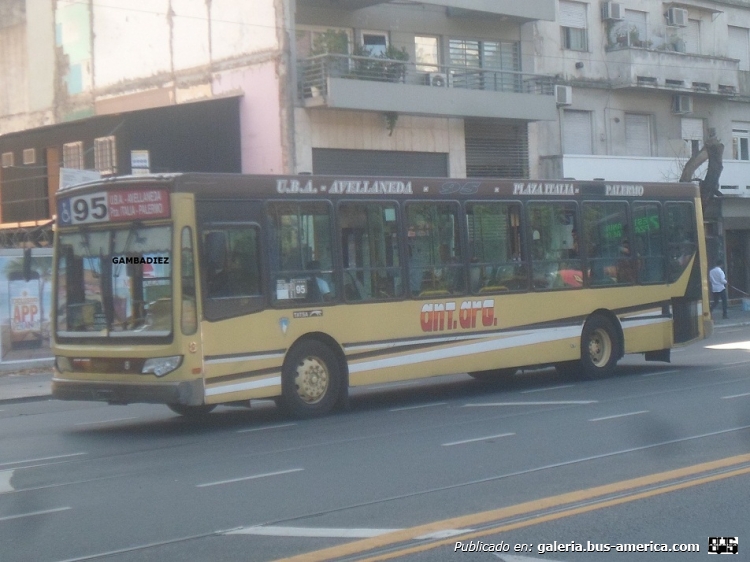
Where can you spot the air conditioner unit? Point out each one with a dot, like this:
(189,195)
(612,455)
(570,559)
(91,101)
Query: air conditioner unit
(682,104)
(677,17)
(437,79)
(563,95)
(611,11)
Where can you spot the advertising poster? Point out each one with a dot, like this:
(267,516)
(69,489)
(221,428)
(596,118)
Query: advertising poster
(25,305)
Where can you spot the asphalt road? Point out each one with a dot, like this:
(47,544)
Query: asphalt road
(656,455)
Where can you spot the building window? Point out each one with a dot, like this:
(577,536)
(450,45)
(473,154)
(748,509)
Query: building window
(29,156)
(741,141)
(426,53)
(7,160)
(637,134)
(631,31)
(105,155)
(486,64)
(321,40)
(375,43)
(573,25)
(73,155)
(693,37)
(739,46)
(692,134)
(577,132)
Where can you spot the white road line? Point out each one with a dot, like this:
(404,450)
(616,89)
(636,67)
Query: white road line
(547,388)
(33,513)
(419,406)
(206,485)
(619,416)
(661,373)
(444,534)
(735,396)
(5,477)
(737,363)
(552,403)
(106,421)
(273,531)
(477,439)
(279,426)
(43,459)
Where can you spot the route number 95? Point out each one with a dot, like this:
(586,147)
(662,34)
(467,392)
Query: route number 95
(83,209)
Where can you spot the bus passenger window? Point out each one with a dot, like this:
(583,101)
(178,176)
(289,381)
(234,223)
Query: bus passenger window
(556,263)
(647,237)
(495,258)
(610,256)
(681,238)
(301,253)
(369,250)
(232,259)
(435,263)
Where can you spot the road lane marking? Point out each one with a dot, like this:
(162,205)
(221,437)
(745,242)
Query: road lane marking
(106,421)
(255,476)
(419,406)
(326,533)
(477,439)
(5,477)
(279,426)
(443,534)
(657,373)
(550,403)
(547,388)
(34,513)
(482,518)
(618,416)
(597,504)
(43,459)
(735,396)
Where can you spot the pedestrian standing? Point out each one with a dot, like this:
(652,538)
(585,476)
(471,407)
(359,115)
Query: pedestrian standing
(718,287)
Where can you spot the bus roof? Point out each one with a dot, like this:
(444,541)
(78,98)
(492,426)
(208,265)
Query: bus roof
(212,185)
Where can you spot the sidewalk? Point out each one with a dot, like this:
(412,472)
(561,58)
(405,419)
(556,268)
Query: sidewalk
(36,384)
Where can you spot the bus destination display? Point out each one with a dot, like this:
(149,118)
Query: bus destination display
(120,205)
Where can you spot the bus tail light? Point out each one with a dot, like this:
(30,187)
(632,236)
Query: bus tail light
(161,366)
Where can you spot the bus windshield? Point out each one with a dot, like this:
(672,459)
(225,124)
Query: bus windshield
(115,283)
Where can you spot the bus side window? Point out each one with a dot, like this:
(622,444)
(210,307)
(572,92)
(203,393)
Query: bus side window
(301,253)
(435,262)
(369,250)
(556,263)
(647,236)
(610,256)
(495,257)
(681,238)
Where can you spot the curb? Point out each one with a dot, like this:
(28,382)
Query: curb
(23,399)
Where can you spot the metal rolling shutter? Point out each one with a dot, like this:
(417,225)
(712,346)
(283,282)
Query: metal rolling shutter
(496,149)
(339,162)
(577,132)
(693,37)
(637,135)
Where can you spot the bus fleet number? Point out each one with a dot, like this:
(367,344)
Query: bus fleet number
(84,209)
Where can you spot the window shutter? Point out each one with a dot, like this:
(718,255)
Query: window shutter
(739,46)
(693,37)
(638,135)
(692,129)
(572,14)
(577,132)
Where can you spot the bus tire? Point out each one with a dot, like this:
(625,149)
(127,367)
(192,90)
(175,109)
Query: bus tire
(494,375)
(192,412)
(310,380)
(600,348)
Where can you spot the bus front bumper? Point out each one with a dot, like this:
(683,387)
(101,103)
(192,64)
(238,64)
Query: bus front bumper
(189,393)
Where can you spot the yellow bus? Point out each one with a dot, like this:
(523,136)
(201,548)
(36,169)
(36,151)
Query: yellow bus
(194,290)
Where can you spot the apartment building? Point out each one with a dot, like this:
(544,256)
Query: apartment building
(454,88)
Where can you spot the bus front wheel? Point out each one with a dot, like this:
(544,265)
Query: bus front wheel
(600,348)
(310,380)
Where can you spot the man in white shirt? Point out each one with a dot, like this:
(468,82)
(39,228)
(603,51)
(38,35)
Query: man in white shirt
(718,287)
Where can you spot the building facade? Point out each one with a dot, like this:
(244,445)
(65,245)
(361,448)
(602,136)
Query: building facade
(455,88)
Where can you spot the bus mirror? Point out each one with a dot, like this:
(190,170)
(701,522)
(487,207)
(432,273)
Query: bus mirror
(216,250)
(27,264)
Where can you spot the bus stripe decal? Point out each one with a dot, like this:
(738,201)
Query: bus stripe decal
(243,375)
(234,357)
(250,385)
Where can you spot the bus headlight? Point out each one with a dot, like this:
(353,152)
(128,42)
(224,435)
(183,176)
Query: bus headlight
(63,364)
(161,366)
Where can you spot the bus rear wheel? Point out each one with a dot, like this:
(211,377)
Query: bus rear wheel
(310,380)
(192,412)
(600,348)
(494,375)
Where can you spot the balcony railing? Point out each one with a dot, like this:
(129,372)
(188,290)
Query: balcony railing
(314,73)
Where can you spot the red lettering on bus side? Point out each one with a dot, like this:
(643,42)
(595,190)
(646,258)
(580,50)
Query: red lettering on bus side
(426,317)
(438,318)
(464,315)
(488,313)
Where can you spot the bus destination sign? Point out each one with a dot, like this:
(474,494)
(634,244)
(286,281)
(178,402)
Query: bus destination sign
(114,206)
